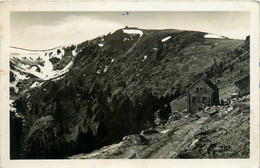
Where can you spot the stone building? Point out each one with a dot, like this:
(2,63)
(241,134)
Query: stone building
(243,86)
(202,92)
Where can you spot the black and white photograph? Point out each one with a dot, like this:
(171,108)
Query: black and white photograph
(129,85)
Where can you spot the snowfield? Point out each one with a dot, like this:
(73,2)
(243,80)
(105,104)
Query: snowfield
(29,61)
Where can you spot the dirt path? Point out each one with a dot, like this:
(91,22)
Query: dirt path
(132,46)
(164,144)
(179,139)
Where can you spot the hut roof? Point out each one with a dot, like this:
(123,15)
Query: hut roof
(207,82)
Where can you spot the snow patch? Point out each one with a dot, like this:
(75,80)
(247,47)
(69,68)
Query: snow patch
(145,57)
(56,79)
(36,84)
(14,85)
(133,31)
(64,70)
(213,36)
(11,104)
(112,60)
(99,72)
(55,53)
(101,44)
(34,68)
(165,131)
(105,69)
(74,53)
(166,38)
(17,77)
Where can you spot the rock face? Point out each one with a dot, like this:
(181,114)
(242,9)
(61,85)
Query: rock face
(112,87)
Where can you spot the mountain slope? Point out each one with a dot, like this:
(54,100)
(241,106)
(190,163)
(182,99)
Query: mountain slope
(117,82)
(223,135)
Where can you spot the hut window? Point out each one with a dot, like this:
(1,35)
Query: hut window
(194,99)
(205,99)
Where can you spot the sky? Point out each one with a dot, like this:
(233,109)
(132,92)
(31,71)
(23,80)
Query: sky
(45,30)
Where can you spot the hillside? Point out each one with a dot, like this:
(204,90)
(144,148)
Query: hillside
(221,132)
(114,85)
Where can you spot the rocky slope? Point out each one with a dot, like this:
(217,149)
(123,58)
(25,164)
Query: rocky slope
(114,86)
(220,132)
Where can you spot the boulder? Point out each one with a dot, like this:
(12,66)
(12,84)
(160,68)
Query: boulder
(135,139)
(148,132)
